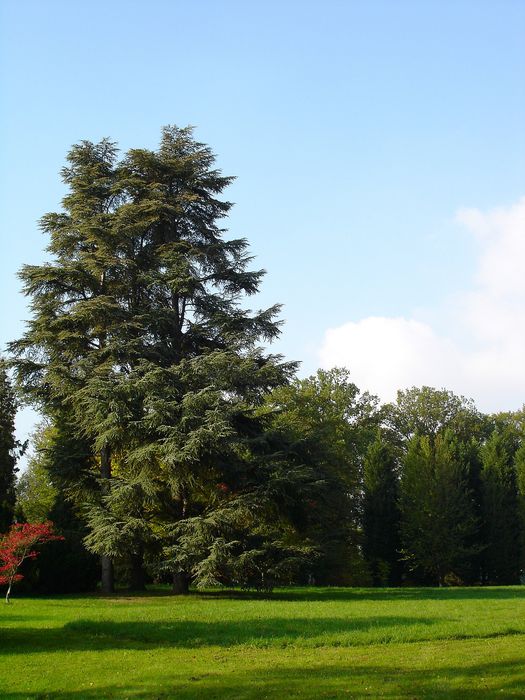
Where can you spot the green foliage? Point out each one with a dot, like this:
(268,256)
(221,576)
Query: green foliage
(429,412)
(186,448)
(327,424)
(438,521)
(501,556)
(519,465)
(10,450)
(381,516)
(65,566)
(511,427)
(140,336)
(440,433)
(36,494)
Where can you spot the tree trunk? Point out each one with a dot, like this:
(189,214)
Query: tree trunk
(107,580)
(8,594)
(181,583)
(181,580)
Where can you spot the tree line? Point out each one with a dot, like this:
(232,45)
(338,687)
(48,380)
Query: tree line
(175,447)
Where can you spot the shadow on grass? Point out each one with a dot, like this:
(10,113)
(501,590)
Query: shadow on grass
(486,680)
(308,594)
(329,594)
(92,635)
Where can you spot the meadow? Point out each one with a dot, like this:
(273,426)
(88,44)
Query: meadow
(294,643)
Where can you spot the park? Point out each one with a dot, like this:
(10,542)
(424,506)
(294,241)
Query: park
(298,643)
(262,419)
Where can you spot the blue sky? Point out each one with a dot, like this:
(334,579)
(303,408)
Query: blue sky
(357,132)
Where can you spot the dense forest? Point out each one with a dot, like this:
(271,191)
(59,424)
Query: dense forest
(174,447)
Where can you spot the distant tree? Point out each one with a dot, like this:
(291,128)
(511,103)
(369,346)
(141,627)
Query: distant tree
(468,454)
(381,516)
(511,427)
(17,546)
(437,518)
(36,494)
(328,424)
(500,512)
(10,450)
(519,465)
(426,411)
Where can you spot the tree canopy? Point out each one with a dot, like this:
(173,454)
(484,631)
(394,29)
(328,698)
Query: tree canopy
(10,449)
(178,447)
(140,339)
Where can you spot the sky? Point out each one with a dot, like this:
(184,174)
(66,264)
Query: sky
(379,151)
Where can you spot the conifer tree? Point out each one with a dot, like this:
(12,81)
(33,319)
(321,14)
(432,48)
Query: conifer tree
(437,522)
(381,517)
(500,512)
(76,300)
(519,466)
(140,337)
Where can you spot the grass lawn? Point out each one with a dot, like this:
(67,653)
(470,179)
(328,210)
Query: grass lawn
(296,643)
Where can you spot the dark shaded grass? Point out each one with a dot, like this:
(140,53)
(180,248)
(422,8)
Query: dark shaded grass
(307,594)
(329,594)
(92,635)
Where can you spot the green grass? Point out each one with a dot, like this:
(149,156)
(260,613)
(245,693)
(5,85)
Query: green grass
(296,643)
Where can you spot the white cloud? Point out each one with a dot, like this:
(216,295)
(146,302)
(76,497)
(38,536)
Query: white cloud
(486,360)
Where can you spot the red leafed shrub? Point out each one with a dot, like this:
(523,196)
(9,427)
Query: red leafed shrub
(18,545)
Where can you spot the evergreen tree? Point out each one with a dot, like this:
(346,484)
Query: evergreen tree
(519,465)
(431,413)
(140,338)
(10,450)
(381,517)
(500,512)
(437,522)
(75,299)
(468,454)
